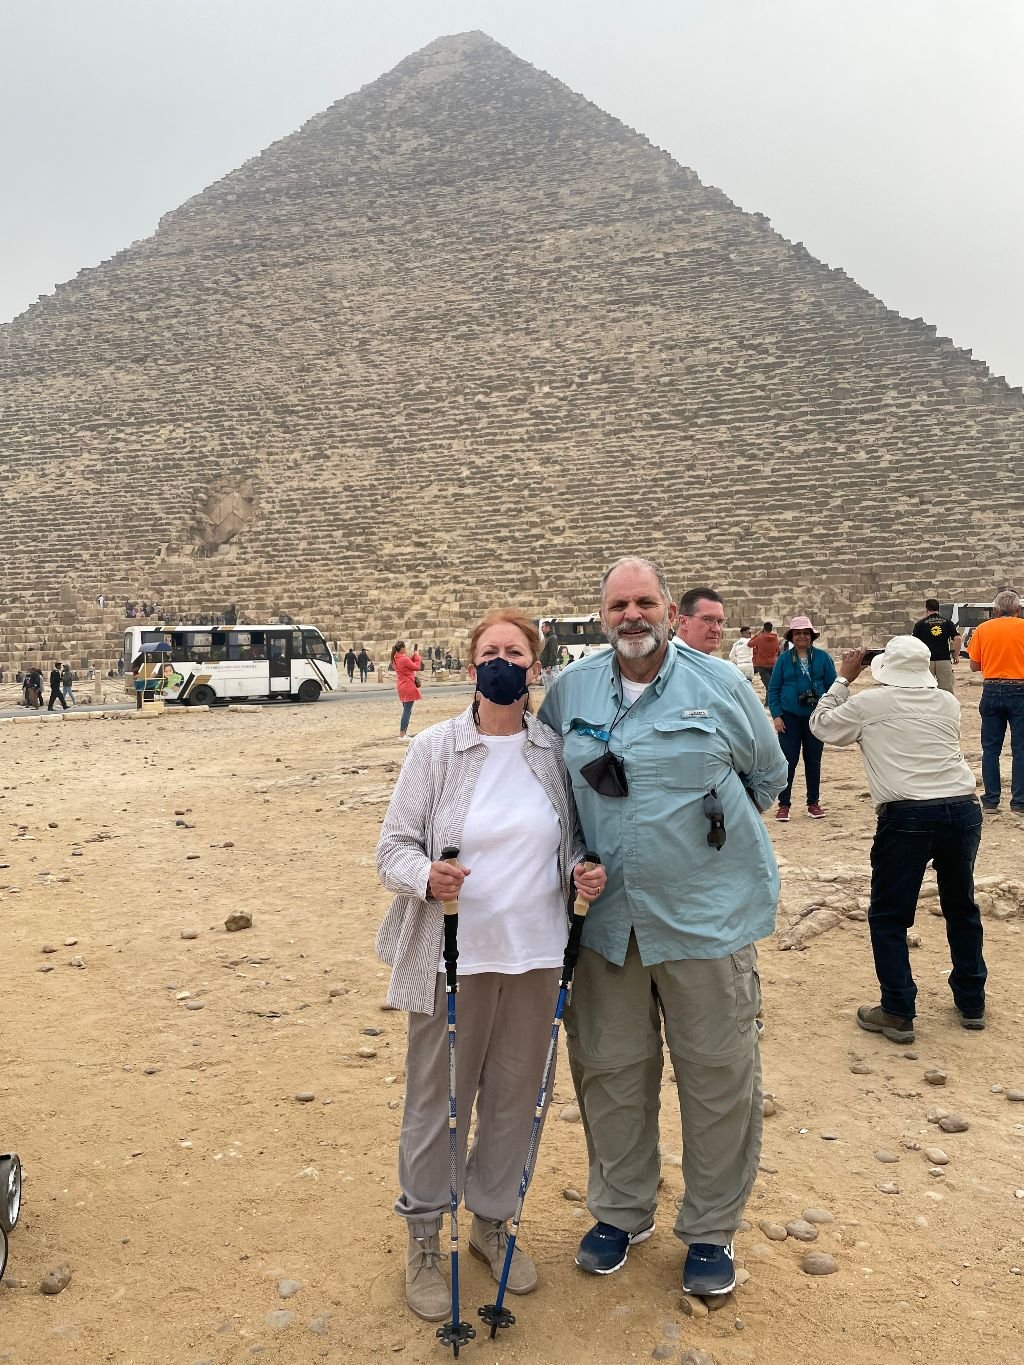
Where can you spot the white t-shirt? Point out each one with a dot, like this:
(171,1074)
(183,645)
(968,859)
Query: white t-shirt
(742,655)
(511,911)
(632,691)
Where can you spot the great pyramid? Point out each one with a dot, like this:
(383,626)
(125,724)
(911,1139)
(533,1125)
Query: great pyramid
(464,338)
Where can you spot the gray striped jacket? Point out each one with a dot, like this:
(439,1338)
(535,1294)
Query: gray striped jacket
(428,811)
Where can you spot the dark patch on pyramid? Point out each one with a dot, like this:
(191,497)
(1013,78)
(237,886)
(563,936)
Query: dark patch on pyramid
(464,338)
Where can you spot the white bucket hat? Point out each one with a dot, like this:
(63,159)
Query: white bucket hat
(904,663)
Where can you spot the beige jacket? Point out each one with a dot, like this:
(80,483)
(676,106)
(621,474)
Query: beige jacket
(427,812)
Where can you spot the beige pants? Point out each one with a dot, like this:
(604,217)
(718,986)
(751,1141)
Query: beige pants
(613,1032)
(942,672)
(502,1031)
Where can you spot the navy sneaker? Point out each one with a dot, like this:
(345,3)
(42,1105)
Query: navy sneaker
(708,1269)
(605,1248)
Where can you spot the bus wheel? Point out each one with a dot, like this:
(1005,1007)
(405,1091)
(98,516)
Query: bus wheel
(10,1191)
(309,690)
(202,696)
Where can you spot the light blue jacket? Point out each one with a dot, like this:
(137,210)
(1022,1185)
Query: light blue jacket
(699,725)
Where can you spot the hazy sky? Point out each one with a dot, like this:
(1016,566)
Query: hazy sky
(886,135)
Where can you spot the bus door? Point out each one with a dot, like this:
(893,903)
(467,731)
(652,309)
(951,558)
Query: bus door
(279,657)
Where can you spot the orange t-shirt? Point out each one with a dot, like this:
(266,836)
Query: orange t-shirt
(998,645)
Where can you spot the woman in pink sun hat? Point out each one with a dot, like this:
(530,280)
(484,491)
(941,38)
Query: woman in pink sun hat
(801,675)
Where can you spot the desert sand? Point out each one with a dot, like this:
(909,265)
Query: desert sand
(151,1090)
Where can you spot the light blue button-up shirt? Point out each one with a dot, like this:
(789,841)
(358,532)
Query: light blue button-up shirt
(698,725)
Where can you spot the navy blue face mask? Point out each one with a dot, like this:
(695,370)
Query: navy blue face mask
(501,682)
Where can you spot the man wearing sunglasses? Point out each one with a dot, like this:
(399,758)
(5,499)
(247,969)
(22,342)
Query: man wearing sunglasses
(671,759)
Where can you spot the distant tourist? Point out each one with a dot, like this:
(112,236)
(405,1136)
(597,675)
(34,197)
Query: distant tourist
(548,655)
(55,688)
(800,677)
(363,664)
(765,648)
(231,616)
(701,620)
(67,682)
(406,667)
(120,667)
(996,652)
(924,793)
(351,659)
(101,601)
(742,655)
(33,688)
(943,641)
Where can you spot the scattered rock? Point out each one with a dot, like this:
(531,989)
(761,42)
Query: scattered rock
(150,1070)
(934,1115)
(775,1232)
(78,962)
(911,1056)
(371,1032)
(860,1069)
(70,942)
(288,1288)
(819,1263)
(817,1216)
(890,1187)
(335,991)
(46,967)
(1017,1096)
(767,1107)
(742,1275)
(366,1052)
(305,1096)
(238,919)
(48,948)
(914,940)
(665,1351)
(953,1123)
(887,1158)
(693,1307)
(280,1318)
(55,1280)
(936,1077)
(830,1137)
(195,1004)
(569,1113)
(801,1230)
(695,1357)
(936,1156)
(573,1196)
(190,933)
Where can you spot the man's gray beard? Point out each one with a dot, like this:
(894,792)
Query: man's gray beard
(638,645)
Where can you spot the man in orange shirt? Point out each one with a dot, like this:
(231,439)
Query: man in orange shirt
(996,652)
(765,649)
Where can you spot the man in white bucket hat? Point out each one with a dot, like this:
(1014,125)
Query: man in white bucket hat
(927,806)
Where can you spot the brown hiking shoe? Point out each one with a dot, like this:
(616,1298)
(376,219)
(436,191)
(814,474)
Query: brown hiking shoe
(487,1241)
(891,1026)
(426,1289)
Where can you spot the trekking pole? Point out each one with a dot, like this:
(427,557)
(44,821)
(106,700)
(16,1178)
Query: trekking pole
(454,1333)
(493,1313)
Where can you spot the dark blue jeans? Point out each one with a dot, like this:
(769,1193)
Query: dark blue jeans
(796,737)
(908,834)
(403,724)
(1002,705)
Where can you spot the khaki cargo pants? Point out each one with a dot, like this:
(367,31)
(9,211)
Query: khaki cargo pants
(613,1034)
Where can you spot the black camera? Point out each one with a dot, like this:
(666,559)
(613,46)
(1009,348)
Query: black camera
(808,698)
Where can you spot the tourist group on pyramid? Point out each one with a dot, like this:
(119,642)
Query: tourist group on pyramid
(637,797)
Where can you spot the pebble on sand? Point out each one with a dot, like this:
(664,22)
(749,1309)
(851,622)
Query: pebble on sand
(860,1069)
(819,1263)
(693,1307)
(887,1158)
(695,1357)
(801,1230)
(889,1187)
(55,1280)
(953,1123)
(775,1232)
(305,1096)
(569,1113)
(238,919)
(936,1077)
(818,1216)
(573,1196)
(195,1004)
(280,1317)
(366,1052)
(936,1156)
(1017,1096)
(288,1288)
(767,1107)
(190,933)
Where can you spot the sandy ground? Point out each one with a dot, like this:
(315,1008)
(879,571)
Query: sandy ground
(168,1164)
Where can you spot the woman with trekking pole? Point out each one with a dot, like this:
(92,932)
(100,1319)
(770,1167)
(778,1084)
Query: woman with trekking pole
(490,782)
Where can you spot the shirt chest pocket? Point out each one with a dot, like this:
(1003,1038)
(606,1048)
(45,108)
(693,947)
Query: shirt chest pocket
(683,753)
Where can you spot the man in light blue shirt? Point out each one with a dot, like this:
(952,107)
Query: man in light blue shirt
(671,760)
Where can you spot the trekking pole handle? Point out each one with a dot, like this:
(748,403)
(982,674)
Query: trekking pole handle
(580,905)
(451,925)
(579,914)
(450,855)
